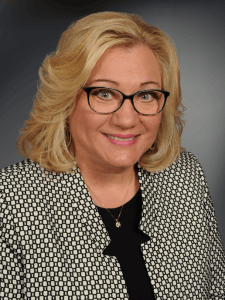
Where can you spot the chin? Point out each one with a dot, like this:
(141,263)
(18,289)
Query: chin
(124,162)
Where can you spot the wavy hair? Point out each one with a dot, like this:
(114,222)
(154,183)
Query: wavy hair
(45,137)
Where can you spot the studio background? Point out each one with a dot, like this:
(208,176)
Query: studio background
(29,30)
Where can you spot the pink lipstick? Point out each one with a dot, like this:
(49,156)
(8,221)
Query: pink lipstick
(121,140)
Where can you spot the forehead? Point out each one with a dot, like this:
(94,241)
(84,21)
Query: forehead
(127,65)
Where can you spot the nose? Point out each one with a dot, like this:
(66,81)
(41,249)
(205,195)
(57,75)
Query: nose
(126,116)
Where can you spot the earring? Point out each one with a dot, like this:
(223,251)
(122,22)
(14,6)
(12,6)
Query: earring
(68,134)
(152,148)
(68,144)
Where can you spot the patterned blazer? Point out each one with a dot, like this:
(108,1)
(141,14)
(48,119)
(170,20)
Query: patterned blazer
(52,236)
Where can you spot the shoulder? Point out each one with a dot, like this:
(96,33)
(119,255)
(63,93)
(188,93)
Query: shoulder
(21,181)
(186,161)
(13,180)
(18,175)
(25,172)
(185,164)
(188,166)
(21,167)
(27,181)
(185,174)
(26,190)
(14,173)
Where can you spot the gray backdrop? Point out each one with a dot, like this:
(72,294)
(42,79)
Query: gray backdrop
(31,29)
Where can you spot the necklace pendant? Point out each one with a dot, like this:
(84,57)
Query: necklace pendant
(118,224)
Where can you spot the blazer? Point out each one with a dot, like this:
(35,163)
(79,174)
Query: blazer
(53,237)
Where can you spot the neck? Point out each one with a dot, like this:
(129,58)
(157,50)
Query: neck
(98,176)
(112,187)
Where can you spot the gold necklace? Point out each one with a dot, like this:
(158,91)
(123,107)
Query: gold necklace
(118,224)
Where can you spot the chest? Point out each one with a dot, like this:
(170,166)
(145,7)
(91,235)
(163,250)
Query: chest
(62,247)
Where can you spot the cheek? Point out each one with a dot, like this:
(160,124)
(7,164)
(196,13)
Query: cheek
(84,123)
(78,119)
(152,125)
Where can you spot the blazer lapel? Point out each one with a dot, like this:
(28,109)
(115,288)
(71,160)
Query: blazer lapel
(88,213)
(147,191)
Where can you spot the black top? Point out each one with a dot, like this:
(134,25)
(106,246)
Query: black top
(125,245)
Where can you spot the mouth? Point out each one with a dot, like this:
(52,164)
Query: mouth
(129,137)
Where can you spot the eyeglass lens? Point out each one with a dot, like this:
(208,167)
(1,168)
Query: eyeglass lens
(105,100)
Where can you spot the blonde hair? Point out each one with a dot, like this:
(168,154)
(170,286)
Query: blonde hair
(46,138)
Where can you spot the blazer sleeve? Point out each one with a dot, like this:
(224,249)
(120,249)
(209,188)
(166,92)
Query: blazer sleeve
(11,267)
(217,253)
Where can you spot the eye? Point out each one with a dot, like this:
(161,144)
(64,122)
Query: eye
(105,95)
(146,96)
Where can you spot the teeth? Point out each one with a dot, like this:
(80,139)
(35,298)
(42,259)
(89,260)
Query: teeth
(118,139)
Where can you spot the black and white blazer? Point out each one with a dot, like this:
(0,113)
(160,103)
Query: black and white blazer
(52,236)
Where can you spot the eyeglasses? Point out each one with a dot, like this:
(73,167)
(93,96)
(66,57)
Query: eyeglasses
(106,100)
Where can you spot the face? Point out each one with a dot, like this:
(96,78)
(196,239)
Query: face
(128,70)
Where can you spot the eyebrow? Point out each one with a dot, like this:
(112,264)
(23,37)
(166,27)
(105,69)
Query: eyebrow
(116,83)
(149,82)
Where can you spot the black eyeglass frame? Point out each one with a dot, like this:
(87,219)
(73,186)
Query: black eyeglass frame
(131,97)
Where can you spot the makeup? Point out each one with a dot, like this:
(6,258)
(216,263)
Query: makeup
(125,142)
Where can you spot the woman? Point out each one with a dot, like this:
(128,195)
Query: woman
(108,204)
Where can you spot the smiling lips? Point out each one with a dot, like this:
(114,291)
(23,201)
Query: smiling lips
(122,140)
(121,137)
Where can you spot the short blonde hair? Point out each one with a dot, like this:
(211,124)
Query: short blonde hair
(46,137)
